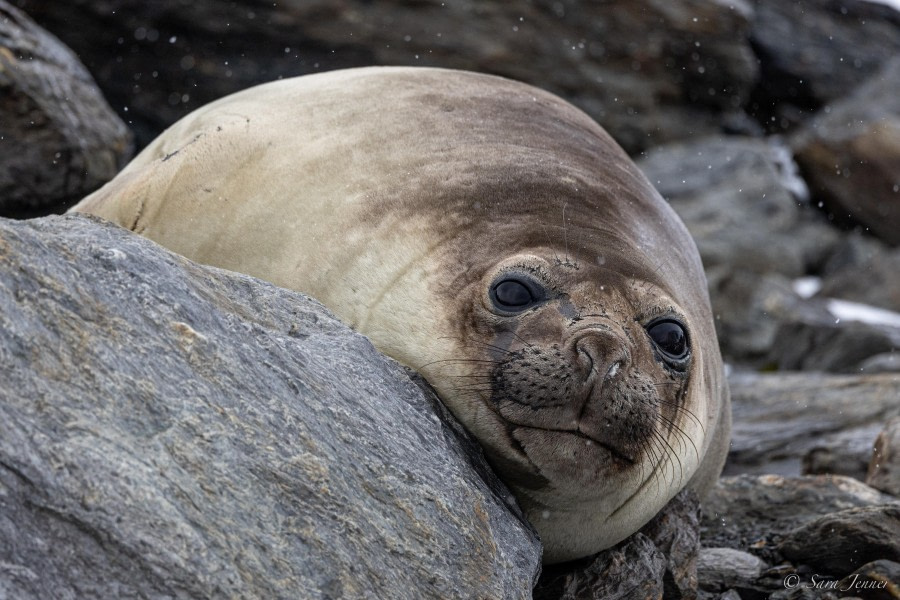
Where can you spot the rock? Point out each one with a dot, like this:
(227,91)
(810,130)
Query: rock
(874,281)
(878,580)
(750,308)
(676,532)
(780,417)
(691,65)
(173,430)
(834,335)
(632,569)
(884,469)
(841,542)
(719,569)
(753,513)
(850,154)
(742,201)
(59,139)
(841,454)
(658,561)
(811,53)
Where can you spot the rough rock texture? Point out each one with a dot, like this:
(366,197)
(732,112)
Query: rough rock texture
(873,277)
(884,469)
(779,418)
(753,513)
(815,337)
(719,569)
(691,64)
(59,139)
(877,580)
(741,199)
(659,561)
(172,430)
(850,154)
(814,51)
(841,542)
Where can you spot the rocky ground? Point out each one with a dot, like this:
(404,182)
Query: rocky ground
(772,127)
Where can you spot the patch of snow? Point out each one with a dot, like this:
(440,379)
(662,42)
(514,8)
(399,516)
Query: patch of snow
(807,287)
(863,313)
(894,3)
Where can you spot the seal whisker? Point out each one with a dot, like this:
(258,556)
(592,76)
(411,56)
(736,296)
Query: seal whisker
(549,241)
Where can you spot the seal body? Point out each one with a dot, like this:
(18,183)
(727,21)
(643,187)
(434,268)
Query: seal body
(487,234)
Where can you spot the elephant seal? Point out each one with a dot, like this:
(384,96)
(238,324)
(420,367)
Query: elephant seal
(489,235)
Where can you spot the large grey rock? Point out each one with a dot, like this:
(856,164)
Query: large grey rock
(172,430)
(837,336)
(814,51)
(59,139)
(754,513)
(691,63)
(778,418)
(863,270)
(850,153)
(742,201)
(841,542)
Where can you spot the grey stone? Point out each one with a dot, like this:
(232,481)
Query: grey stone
(754,513)
(658,561)
(59,139)
(749,308)
(838,543)
(631,569)
(818,335)
(844,453)
(169,430)
(812,52)
(743,203)
(850,154)
(778,418)
(878,580)
(691,65)
(719,569)
(884,469)
(873,277)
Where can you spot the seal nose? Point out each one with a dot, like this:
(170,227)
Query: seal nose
(601,354)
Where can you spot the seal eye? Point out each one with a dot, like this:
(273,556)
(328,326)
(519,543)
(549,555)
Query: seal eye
(515,293)
(671,339)
(512,294)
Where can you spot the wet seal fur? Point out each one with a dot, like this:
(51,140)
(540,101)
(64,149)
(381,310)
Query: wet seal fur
(489,235)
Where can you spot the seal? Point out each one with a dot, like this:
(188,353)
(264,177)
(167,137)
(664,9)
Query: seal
(487,234)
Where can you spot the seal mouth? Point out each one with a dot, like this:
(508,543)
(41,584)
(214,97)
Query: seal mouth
(615,453)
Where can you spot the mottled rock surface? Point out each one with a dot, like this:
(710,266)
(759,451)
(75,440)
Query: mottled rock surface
(779,418)
(59,139)
(812,52)
(884,469)
(658,561)
(841,542)
(753,513)
(691,64)
(869,276)
(850,154)
(720,569)
(173,430)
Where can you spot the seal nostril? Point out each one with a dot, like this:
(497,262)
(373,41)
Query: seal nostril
(613,370)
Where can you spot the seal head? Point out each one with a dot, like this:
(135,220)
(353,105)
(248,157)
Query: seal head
(487,234)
